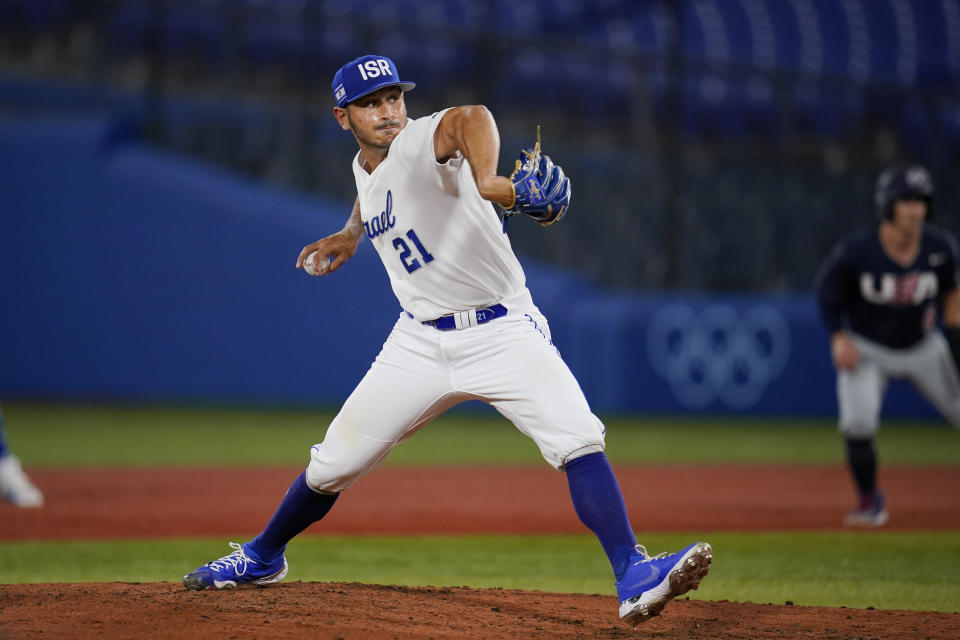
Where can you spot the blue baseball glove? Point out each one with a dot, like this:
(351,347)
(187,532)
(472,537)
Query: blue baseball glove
(542,190)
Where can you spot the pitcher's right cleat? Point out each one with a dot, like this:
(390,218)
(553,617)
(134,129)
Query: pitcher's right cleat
(650,582)
(235,569)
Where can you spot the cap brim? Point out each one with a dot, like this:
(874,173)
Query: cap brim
(404,86)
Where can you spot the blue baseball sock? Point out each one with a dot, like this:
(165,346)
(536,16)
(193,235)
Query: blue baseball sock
(300,507)
(599,504)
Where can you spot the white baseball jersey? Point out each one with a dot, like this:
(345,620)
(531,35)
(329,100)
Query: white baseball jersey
(442,244)
(446,253)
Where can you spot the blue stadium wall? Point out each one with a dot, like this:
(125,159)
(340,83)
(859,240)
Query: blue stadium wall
(131,274)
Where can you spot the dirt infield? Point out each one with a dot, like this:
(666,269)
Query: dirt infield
(357,611)
(84,504)
(97,504)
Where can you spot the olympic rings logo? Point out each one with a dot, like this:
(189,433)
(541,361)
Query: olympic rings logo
(718,354)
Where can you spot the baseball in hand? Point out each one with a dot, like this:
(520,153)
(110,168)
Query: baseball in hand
(316,266)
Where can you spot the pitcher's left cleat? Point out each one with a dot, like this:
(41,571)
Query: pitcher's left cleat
(237,568)
(650,582)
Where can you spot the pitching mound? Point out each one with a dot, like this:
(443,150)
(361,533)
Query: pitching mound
(354,611)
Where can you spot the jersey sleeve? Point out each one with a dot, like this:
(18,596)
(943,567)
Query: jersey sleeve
(417,152)
(832,288)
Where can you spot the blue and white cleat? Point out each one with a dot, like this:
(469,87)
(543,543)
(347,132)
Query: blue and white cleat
(652,581)
(235,569)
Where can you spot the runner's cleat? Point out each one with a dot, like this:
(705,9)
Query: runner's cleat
(871,512)
(15,486)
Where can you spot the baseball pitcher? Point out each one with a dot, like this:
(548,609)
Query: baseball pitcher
(468,329)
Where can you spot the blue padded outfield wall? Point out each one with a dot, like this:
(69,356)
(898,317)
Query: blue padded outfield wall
(130,274)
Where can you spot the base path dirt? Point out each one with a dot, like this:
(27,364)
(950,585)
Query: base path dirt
(157,503)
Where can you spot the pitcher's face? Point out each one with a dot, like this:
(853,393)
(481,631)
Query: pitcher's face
(375,119)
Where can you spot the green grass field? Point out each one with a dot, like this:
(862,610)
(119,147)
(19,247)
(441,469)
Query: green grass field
(891,570)
(90,436)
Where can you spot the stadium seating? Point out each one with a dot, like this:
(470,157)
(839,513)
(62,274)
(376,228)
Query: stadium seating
(834,75)
(733,51)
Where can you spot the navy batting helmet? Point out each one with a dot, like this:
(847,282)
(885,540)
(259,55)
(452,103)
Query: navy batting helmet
(902,182)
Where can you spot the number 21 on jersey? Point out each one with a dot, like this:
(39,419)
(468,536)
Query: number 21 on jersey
(410,261)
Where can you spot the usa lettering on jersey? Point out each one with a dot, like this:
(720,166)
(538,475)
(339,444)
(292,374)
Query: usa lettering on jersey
(900,291)
(374,68)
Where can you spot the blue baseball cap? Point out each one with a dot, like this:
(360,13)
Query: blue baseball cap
(365,75)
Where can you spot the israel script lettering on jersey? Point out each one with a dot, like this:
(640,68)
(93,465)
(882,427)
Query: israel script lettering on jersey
(910,289)
(382,223)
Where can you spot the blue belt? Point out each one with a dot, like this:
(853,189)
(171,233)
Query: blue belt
(484,315)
